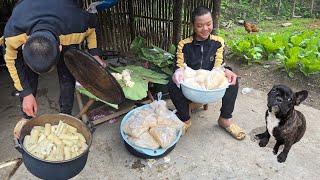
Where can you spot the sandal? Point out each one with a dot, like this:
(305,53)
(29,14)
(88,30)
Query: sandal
(236,131)
(185,127)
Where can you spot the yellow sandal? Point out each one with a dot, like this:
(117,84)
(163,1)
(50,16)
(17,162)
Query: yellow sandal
(236,131)
(185,127)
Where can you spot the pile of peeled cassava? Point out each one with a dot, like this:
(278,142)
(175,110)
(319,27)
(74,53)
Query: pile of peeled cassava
(152,127)
(204,79)
(55,142)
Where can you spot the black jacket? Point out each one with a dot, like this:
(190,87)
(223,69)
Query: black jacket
(64,18)
(200,54)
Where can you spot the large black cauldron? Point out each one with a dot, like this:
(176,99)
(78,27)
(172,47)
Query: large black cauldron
(58,169)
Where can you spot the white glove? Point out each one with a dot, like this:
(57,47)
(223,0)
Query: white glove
(178,76)
(92,7)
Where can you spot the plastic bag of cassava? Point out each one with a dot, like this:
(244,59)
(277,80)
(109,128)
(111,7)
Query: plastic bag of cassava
(204,79)
(152,127)
(55,142)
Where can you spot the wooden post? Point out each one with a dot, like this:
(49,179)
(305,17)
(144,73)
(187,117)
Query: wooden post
(216,15)
(177,13)
(131,20)
(80,103)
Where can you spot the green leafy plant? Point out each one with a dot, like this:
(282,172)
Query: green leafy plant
(296,51)
(153,55)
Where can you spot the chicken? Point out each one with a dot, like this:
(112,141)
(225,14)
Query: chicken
(250,27)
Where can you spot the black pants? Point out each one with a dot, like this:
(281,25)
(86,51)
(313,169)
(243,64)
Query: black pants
(182,103)
(66,83)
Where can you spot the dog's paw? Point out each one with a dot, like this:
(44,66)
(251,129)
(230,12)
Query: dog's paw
(263,142)
(282,157)
(275,151)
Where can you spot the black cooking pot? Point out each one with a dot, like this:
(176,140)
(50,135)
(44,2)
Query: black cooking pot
(54,169)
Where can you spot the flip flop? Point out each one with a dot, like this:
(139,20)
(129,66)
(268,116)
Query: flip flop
(185,127)
(236,131)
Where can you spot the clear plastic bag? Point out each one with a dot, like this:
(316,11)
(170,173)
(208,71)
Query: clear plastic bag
(164,135)
(206,80)
(170,119)
(139,123)
(145,141)
(215,79)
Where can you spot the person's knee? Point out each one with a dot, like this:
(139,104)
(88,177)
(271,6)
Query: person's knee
(172,86)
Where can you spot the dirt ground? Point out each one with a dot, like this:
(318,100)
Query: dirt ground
(264,77)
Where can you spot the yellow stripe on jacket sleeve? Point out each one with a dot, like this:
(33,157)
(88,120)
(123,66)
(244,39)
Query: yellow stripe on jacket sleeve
(180,55)
(72,39)
(219,54)
(1,41)
(12,43)
(78,38)
(92,38)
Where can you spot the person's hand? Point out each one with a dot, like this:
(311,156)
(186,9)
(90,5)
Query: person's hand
(29,105)
(100,61)
(232,77)
(178,76)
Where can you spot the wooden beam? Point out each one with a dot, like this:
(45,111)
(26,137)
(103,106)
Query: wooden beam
(84,117)
(85,109)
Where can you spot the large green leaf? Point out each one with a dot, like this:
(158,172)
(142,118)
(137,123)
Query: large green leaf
(147,74)
(154,55)
(137,44)
(293,59)
(310,66)
(138,91)
(167,70)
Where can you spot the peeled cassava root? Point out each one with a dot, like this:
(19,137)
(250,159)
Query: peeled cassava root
(55,142)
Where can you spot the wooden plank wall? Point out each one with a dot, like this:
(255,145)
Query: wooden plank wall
(153,20)
(188,7)
(114,25)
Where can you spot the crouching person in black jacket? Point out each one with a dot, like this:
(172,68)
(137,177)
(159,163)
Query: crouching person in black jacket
(35,43)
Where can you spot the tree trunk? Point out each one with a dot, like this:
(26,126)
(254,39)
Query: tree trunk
(177,13)
(279,6)
(216,15)
(260,2)
(312,5)
(294,7)
(131,20)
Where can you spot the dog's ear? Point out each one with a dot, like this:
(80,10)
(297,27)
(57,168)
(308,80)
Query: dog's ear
(300,96)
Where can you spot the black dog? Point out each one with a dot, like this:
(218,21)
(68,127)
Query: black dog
(285,123)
